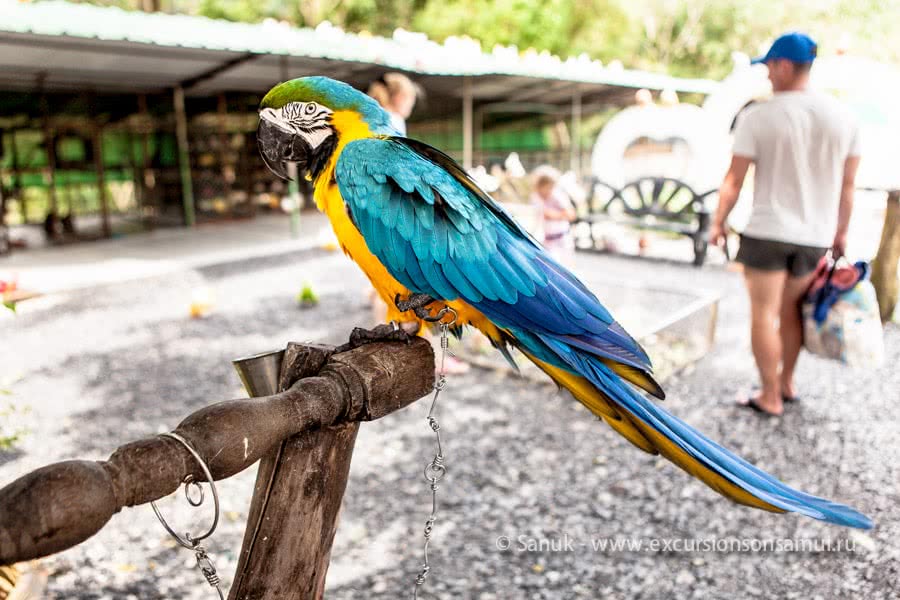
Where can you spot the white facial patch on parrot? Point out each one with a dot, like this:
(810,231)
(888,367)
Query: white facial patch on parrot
(307,119)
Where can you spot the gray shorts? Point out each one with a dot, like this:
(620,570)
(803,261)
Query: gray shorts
(770,255)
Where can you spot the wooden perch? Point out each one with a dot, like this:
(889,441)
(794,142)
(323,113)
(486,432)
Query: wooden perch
(61,505)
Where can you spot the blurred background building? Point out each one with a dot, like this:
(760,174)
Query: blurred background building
(114,121)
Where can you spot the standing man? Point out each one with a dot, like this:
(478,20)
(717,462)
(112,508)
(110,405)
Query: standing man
(805,146)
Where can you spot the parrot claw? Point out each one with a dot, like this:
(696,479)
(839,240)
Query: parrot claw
(386,332)
(416,303)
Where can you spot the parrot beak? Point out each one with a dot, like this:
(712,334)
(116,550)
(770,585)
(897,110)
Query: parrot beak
(279,147)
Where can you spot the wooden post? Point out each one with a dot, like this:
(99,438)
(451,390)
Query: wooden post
(467,122)
(184,157)
(101,180)
(16,182)
(283,67)
(4,232)
(575,142)
(146,173)
(50,146)
(226,169)
(287,543)
(884,266)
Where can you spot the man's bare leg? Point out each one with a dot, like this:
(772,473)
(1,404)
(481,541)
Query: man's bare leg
(791,328)
(765,289)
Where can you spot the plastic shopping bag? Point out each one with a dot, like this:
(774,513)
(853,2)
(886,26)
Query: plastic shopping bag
(840,316)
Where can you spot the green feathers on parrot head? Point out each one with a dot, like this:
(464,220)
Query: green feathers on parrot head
(297,124)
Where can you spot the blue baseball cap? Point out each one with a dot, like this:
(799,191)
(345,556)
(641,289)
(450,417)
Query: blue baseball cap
(796,47)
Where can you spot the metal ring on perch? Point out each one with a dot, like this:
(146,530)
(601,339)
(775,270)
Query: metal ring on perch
(190,541)
(190,484)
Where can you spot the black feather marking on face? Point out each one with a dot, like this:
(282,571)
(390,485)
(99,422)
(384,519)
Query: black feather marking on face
(319,157)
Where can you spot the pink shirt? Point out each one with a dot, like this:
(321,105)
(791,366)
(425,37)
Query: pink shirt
(559,201)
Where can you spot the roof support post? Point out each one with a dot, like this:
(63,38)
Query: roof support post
(283,68)
(101,181)
(575,143)
(146,176)
(226,168)
(4,236)
(50,147)
(184,157)
(468,134)
(16,180)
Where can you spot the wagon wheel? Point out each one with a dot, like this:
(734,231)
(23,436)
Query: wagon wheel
(600,196)
(660,196)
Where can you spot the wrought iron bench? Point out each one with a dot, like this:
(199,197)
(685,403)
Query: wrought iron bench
(655,203)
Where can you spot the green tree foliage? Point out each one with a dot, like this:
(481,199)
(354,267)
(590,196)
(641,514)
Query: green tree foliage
(601,28)
(684,37)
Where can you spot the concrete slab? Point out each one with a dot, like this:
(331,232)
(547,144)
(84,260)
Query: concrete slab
(150,254)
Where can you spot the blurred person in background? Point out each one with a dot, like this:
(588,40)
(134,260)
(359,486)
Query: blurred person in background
(397,94)
(557,211)
(805,147)
(668,97)
(643,97)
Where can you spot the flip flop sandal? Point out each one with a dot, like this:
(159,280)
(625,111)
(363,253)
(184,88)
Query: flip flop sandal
(752,405)
(790,399)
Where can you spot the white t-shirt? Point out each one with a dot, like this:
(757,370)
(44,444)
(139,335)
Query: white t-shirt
(398,122)
(798,142)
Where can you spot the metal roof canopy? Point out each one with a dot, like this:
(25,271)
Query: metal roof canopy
(30,62)
(56,46)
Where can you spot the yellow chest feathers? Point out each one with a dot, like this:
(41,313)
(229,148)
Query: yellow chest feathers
(349,127)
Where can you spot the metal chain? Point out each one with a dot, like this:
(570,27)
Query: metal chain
(435,470)
(191,542)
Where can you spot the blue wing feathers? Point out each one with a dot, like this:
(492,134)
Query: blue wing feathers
(406,220)
(426,192)
(438,281)
(399,247)
(522,284)
(425,215)
(461,283)
(439,241)
(387,207)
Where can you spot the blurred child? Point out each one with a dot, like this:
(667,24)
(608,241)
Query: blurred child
(397,94)
(557,210)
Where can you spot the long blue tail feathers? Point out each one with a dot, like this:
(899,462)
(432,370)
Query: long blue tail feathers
(718,459)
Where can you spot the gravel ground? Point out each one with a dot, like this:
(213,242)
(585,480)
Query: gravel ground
(107,365)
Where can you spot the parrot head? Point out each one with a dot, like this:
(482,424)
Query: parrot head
(303,120)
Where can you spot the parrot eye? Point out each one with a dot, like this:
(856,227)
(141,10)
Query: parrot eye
(310,108)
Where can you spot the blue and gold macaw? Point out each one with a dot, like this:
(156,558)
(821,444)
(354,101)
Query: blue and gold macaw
(427,237)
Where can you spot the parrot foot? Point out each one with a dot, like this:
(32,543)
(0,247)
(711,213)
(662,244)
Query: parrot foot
(416,303)
(386,332)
